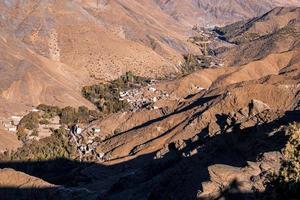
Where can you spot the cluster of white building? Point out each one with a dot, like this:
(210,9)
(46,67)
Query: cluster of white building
(85,141)
(11,123)
(137,99)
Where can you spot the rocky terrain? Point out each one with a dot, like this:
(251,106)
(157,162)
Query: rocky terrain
(217,12)
(216,131)
(63,45)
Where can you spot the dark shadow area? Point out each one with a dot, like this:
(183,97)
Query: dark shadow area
(233,192)
(11,193)
(173,176)
(60,171)
(195,104)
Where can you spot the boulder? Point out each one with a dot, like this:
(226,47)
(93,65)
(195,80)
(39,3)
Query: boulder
(257,106)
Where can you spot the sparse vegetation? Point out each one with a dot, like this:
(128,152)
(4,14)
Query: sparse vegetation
(106,96)
(237,33)
(290,170)
(49,111)
(246,37)
(193,63)
(30,123)
(287,183)
(287,30)
(68,116)
(34,133)
(44,121)
(55,146)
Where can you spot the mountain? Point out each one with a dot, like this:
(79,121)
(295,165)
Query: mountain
(217,12)
(219,141)
(50,49)
(274,32)
(214,133)
(11,179)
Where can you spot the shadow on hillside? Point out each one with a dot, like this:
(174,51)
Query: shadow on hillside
(171,177)
(195,104)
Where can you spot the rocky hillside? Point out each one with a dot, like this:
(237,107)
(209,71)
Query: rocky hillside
(217,12)
(14,184)
(50,49)
(215,133)
(272,33)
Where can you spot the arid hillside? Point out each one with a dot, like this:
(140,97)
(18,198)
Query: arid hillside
(65,32)
(50,49)
(29,78)
(218,12)
(217,132)
(275,32)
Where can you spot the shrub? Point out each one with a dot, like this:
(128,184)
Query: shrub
(49,111)
(287,183)
(44,121)
(290,170)
(55,146)
(35,133)
(94,114)
(68,116)
(106,96)
(28,122)
(193,63)
(117,131)
(83,114)
(21,134)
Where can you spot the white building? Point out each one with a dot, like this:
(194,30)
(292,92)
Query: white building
(16,119)
(78,130)
(12,129)
(123,94)
(101,155)
(96,130)
(152,89)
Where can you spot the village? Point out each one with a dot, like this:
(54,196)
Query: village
(143,98)
(86,142)
(207,40)
(11,123)
(86,137)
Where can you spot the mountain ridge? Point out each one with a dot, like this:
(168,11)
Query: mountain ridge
(215,130)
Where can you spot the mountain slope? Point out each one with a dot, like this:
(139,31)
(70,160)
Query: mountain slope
(63,45)
(275,32)
(218,12)
(31,79)
(51,49)
(63,31)
(200,143)
(215,133)
(15,184)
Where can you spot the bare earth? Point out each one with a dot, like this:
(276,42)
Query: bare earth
(197,142)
